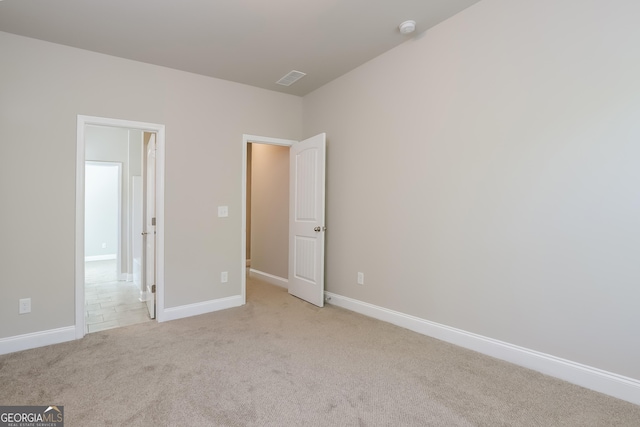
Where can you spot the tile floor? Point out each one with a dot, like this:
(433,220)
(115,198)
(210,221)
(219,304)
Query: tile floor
(110,303)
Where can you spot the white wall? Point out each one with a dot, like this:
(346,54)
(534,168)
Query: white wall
(135,171)
(485,176)
(109,144)
(102,206)
(124,146)
(43,88)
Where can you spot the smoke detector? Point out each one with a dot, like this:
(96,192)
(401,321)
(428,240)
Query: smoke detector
(407,27)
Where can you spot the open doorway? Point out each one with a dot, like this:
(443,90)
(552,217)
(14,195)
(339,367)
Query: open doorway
(303,204)
(268,212)
(113,162)
(258,161)
(110,229)
(110,299)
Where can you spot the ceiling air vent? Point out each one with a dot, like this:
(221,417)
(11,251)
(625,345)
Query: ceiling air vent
(291,78)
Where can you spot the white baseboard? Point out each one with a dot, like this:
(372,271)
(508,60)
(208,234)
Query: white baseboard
(589,377)
(196,309)
(55,336)
(37,339)
(100,257)
(269,278)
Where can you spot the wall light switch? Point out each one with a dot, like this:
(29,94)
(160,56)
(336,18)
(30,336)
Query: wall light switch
(223,211)
(25,306)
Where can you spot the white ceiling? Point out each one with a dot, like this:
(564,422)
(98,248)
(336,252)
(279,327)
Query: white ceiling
(255,42)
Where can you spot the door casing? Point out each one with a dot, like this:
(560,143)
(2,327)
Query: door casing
(159,130)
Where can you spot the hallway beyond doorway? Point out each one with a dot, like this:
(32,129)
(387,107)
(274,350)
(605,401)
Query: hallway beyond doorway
(110,303)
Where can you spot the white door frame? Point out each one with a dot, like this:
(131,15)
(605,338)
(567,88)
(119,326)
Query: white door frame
(83,121)
(246,139)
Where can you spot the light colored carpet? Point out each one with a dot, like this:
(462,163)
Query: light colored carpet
(279,361)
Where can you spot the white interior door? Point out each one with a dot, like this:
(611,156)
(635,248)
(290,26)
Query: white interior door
(306,219)
(150,226)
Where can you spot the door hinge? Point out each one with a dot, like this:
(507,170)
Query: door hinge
(153,289)
(153,221)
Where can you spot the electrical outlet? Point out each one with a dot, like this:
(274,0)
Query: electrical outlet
(360,278)
(224,277)
(25,306)
(104,245)
(223,211)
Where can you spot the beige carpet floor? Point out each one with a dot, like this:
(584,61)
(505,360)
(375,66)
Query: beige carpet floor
(279,361)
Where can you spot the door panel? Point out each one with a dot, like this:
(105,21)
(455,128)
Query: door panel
(305,256)
(306,219)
